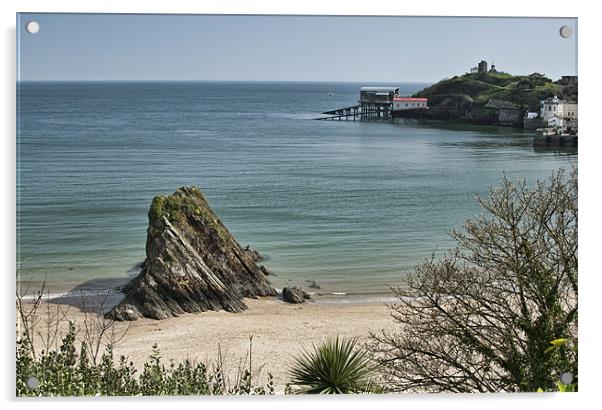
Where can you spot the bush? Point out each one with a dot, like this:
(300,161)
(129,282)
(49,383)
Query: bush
(65,372)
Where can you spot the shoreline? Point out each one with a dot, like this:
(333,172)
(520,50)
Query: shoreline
(280,331)
(112,297)
(97,288)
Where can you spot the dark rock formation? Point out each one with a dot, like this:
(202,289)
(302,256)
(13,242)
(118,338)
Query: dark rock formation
(266,271)
(294,295)
(256,256)
(193,263)
(313,284)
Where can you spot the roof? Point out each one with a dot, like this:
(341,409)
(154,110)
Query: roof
(380,89)
(410,99)
(553,100)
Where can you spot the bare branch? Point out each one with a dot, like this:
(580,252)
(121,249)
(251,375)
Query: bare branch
(482,317)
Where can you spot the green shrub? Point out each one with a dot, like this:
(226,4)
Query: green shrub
(564,352)
(336,367)
(65,372)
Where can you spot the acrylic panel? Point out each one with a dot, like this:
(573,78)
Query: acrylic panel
(213,204)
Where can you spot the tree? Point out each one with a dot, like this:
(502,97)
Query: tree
(481,318)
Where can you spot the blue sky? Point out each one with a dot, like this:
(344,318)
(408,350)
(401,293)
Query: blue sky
(287,48)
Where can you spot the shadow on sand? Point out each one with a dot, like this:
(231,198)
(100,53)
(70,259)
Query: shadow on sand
(96,295)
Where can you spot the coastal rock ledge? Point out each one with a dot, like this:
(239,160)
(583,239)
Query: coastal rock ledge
(193,263)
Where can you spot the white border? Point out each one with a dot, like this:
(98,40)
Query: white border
(589,169)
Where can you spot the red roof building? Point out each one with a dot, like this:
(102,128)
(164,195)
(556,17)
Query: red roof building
(409,103)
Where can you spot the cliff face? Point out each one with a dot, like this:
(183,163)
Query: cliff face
(193,263)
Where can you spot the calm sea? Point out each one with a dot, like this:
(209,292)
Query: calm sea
(350,205)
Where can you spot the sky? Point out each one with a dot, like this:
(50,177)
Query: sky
(106,47)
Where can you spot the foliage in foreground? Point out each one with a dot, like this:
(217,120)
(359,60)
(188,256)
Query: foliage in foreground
(338,366)
(562,347)
(481,319)
(65,372)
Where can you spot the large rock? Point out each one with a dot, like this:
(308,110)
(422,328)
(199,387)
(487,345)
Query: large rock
(294,295)
(256,256)
(193,263)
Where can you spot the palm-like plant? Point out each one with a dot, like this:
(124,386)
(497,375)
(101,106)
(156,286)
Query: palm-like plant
(335,367)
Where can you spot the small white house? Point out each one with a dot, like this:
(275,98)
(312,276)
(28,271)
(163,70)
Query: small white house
(555,121)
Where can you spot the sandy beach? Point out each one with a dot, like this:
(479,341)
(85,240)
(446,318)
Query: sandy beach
(280,330)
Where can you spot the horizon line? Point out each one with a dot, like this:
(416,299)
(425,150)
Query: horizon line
(226,81)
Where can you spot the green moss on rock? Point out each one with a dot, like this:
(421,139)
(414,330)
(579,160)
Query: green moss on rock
(183,205)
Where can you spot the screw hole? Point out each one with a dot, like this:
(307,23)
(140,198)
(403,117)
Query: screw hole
(32,27)
(566,31)
(32,383)
(566,378)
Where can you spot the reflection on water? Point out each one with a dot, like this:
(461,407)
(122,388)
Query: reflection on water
(560,151)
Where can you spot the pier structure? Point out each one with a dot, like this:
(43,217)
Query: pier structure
(378,104)
(342,113)
(549,137)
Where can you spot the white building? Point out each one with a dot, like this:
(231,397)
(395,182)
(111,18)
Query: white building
(409,103)
(555,121)
(555,106)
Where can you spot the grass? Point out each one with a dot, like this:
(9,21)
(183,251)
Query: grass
(526,91)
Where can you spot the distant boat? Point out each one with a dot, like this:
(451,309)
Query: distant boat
(330,93)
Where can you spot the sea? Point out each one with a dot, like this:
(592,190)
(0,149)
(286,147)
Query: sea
(347,207)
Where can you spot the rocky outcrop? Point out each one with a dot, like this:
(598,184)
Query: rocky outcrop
(256,256)
(312,284)
(294,295)
(266,271)
(193,263)
(492,98)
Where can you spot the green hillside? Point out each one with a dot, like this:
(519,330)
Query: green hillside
(476,89)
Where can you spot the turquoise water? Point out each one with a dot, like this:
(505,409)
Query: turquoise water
(351,205)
